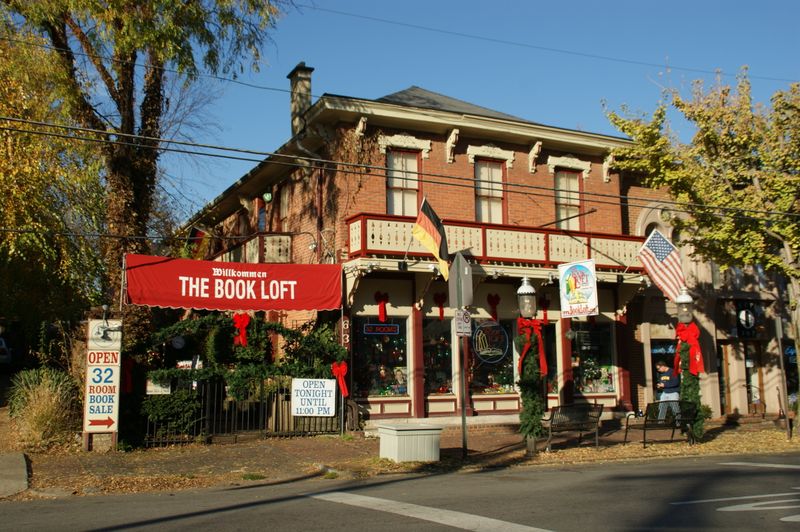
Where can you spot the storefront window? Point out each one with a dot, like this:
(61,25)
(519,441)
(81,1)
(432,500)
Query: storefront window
(437,355)
(592,358)
(380,357)
(491,357)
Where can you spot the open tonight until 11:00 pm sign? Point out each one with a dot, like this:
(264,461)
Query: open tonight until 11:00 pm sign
(101,398)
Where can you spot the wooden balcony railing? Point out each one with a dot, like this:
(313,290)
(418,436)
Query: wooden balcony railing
(376,234)
(260,248)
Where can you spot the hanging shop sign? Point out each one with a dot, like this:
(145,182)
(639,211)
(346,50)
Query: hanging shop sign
(578,289)
(183,283)
(314,397)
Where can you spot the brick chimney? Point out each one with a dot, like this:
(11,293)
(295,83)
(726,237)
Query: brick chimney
(300,79)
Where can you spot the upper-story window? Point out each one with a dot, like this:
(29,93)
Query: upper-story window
(568,204)
(402,182)
(489,191)
(283,206)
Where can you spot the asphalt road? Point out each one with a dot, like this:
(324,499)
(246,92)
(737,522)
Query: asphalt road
(709,493)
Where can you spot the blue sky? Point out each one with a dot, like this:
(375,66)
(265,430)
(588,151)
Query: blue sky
(549,62)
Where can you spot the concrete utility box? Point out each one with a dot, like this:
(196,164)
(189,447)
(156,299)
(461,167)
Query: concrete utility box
(409,443)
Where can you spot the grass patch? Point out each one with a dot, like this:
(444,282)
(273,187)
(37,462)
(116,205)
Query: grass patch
(331,475)
(253,476)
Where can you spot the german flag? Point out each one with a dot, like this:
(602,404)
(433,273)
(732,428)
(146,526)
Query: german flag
(429,230)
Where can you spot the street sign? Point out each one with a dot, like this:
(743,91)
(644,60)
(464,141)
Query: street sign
(463,323)
(460,283)
(103,368)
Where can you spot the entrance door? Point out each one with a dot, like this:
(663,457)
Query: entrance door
(723,354)
(754,379)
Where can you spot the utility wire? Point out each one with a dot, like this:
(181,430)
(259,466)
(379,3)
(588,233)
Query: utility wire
(359,168)
(518,44)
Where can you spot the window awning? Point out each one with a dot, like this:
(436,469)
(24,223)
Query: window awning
(182,283)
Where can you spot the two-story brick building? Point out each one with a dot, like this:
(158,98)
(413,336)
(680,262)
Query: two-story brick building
(517,199)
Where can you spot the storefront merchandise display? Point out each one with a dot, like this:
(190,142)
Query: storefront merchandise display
(592,361)
(437,356)
(491,358)
(380,357)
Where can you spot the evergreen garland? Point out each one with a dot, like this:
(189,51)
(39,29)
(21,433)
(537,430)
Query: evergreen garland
(308,351)
(690,391)
(530,387)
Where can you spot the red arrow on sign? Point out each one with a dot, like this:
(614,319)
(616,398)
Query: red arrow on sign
(107,422)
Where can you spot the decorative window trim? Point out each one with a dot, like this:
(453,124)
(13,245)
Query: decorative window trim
(450,147)
(490,152)
(608,162)
(405,142)
(536,149)
(568,161)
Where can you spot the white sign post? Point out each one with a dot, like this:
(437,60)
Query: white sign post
(314,397)
(103,368)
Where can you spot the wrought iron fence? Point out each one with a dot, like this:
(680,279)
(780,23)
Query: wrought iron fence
(209,412)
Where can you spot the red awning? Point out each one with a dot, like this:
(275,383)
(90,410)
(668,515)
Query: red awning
(199,284)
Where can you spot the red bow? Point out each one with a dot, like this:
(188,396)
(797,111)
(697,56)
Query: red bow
(526,327)
(493,300)
(439,299)
(241,321)
(339,370)
(381,298)
(690,334)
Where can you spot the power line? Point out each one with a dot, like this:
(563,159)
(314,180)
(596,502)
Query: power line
(550,49)
(142,65)
(358,168)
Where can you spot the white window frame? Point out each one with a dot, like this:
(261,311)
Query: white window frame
(402,183)
(489,199)
(567,200)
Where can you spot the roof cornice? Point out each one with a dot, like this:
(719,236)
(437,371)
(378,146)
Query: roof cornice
(332,108)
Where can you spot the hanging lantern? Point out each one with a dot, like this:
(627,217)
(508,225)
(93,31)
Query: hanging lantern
(685,306)
(526,299)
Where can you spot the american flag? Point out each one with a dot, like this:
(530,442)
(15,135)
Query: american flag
(663,264)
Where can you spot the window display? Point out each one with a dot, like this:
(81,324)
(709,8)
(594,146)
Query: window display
(437,356)
(491,357)
(380,357)
(592,357)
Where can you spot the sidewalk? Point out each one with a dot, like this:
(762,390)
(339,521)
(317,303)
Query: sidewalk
(252,459)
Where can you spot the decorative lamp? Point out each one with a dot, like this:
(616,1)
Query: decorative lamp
(526,299)
(685,306)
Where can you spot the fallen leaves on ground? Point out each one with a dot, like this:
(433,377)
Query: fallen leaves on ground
(279,460)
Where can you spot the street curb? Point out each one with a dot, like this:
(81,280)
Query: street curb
(13,474)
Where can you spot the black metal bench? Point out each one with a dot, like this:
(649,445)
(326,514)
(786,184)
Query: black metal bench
(580,418)
(664,415)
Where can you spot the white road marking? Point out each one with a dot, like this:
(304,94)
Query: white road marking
(738,498)
(758,464)
(763,505)
(426,513)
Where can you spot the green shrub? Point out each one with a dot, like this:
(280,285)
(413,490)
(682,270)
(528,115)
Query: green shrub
(44,405)
(176,413)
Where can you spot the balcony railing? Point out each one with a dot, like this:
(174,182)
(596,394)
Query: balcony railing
(261,248)
(375,234)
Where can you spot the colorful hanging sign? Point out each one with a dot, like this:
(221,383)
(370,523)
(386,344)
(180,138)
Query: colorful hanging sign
(578,289)
(184,283)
